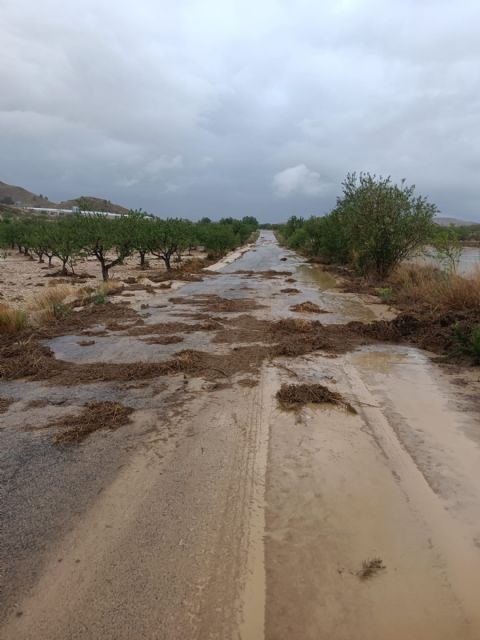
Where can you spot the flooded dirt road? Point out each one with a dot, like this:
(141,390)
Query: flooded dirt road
(215,513)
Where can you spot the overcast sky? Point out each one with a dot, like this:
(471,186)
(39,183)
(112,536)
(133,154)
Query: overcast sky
(222,107)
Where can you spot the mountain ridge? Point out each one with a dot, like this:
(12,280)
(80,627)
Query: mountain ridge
(12,194)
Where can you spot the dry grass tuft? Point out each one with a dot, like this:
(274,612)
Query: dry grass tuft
(96,415)
(110,287)
(293,396)
(46,300)
(428,286)
(12,320)
(53,303)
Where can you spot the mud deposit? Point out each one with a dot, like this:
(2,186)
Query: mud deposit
(153,486)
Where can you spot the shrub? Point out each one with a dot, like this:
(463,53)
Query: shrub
(384,293)
(468,340)
(375,225)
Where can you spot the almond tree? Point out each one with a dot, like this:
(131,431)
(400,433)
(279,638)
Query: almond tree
(168,238)
(110,241)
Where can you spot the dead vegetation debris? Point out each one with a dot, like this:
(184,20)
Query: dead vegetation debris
(307,307)
(96,415)
(370,568)
(215,303)
(5,403)
(294,396)
(290,290)
(248,382)
(38,403)
(269,273)
(108,314)
(168,339)
(85,343)
(161,328)
(187,272)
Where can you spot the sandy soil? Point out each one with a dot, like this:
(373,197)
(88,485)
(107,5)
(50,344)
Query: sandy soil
(22,277)
(217,514)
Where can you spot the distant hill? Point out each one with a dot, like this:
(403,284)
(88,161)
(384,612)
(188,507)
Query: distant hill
(12,195)
(9,194)
(445,222)
(90,203)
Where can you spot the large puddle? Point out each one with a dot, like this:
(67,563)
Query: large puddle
(312,274)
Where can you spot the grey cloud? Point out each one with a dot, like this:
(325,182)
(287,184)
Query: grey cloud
(218,107)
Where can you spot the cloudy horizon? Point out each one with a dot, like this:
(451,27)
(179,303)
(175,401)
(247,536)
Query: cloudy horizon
(236,108)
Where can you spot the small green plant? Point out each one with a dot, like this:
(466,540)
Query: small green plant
(467,341)
(60,310)
(384,293)
(99,298)
(475,344)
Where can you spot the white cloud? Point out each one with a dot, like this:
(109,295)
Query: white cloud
(299,179)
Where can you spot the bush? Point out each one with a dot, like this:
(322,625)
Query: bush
(375,225)
(468,341)
(384,293)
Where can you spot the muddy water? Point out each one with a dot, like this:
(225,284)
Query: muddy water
(398,481)
(433,423)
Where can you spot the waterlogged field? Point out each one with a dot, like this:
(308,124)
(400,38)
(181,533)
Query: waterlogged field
(468,263)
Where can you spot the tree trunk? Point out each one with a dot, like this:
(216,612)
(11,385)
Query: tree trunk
(50,261)
(64,268)
(105,269)
(142,259)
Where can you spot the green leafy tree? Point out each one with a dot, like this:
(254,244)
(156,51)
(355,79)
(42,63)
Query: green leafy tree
(217,238)
(109,241)
(168,238)
(381,223)
(65,242)
(250,221)
(141,234)
(447,247)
